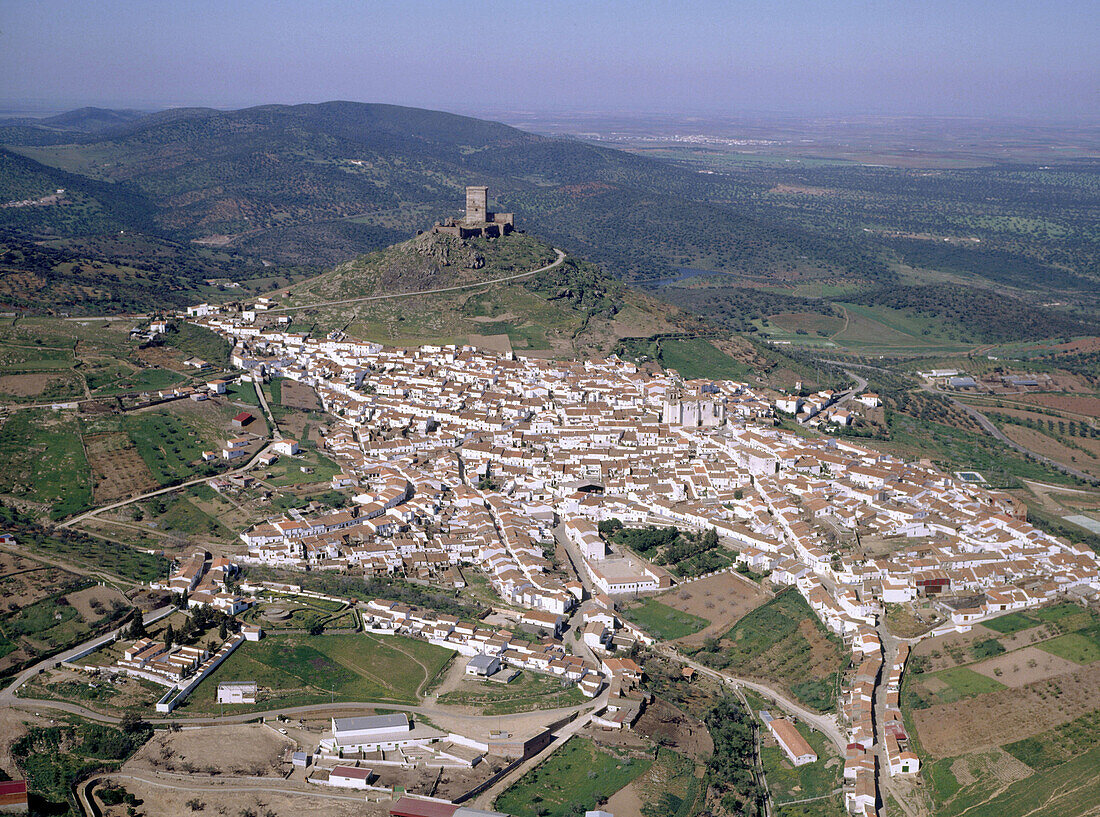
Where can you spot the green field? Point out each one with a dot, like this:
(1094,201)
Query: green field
(200,342)
(1082,647)
(950,685)
(697,358)
(663,621)
(121,379)
(16,358)
(577,775)
(43,461)
(308,467)
(1064,616)
(296,670)
(1011,623)
(1060,744)
(1069,790)
(1063,782)
(168,445)
(304,613)
(96,554)
(671,787)
(527,692)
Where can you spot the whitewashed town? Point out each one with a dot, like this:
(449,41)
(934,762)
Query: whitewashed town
(461,457)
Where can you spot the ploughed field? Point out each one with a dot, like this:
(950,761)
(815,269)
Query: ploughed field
(1006,718)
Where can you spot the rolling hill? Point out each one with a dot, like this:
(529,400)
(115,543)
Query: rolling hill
(318,184)
(570,307)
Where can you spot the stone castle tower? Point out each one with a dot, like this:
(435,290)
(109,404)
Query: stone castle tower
(477,221)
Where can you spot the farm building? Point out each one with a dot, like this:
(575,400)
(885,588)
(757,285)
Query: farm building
(285,446)
(13,796)
(242,419)
(416,807)
(387,732)
(349,777)
(792,743)
(243,692)
(483,665)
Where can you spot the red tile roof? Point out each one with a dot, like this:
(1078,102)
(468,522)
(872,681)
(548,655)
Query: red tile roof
(412,807)
(13,792)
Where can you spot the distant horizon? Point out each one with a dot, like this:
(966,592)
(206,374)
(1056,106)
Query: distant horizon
(43,110)
(837,58)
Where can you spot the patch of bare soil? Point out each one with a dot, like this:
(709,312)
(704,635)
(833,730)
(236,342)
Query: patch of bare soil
(1056,450)
(175,797)
(28,385)
(1074,403)
(1022,667)
(954,649)
(996,718)
(663,721)
(802,190)
(293,394)
(250,749)
(164,357)
(996,764)
(491,343)
(118,469)
(723,599)
(93,602)
(22,589)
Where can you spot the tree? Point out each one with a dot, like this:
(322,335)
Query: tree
(132,723)
(137,626)
(169,636)
(223,631)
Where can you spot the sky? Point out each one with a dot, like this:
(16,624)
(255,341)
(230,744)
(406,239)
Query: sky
(999,58)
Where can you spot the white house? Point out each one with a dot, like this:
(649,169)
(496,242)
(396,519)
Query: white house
(349,777)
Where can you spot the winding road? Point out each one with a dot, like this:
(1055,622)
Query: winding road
(826,724)
(989,428)
(557,262)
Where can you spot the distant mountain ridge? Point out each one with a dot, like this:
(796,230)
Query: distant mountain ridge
(321,183)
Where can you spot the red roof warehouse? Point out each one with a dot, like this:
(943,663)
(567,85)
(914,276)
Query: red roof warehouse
(13,795)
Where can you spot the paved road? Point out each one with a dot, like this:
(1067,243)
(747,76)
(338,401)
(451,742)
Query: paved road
(826,724)
(882,771)
(551,265)
(275,433)
(997,434)
(7,694)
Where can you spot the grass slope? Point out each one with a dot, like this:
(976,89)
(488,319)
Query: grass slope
(784,641)
(663,621)
(578,774)
(298,670)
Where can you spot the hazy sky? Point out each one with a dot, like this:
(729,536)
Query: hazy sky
(1039,58)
